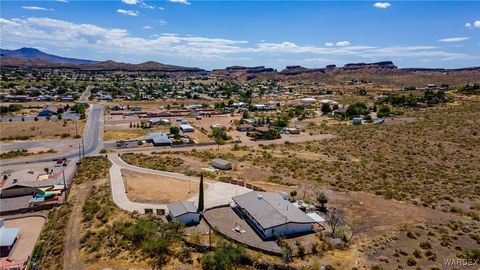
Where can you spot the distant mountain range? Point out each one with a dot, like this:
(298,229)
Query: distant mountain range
(31,57)
(33,54)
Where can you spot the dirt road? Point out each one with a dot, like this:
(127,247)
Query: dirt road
(78,195)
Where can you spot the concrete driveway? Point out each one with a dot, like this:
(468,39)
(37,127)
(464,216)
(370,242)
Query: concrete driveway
(218,193)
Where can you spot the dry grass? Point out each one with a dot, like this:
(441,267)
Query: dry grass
(161,163)
(41,129)
(149,188)
(126,134)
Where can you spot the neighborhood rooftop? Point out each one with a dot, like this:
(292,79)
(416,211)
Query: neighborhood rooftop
(270,209)
(181,207)
(8,236)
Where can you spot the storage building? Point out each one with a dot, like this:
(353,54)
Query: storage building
(221,164)
(184,211)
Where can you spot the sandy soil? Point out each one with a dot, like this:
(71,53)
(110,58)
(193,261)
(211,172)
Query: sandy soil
(30,229)
(148,188)
(41,129)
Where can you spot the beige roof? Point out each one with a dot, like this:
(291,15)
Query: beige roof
(42,177)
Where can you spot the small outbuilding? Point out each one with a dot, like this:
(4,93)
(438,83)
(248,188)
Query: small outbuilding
(184,211)
(221,164)
(186,128)
(357,121)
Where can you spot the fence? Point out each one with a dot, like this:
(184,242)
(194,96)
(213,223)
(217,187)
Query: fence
(232,181)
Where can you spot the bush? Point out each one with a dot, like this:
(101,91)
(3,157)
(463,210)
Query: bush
(411,261)
(383,111)
(225,256)
(357,108)
(141,230)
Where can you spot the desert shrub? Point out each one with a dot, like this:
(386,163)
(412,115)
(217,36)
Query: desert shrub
(141,230)
(470,254)
(411,261)
(225,256)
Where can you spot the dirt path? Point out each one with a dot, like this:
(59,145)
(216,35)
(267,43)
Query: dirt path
(78,195)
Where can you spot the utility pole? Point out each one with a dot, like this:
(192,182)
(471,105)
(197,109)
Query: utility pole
(76,127)
(83,147)
(79,154)
(66,184)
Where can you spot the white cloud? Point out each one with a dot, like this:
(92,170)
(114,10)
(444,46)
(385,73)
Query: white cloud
(128,12)
(343,43)
(477,24)
(63,1)
(131,2)
(162,22)
(36,8)
(46,32)
(329,44)
(185,2)
(147,27)
(145,5)
(454,39)
(382,5)
(468,25)
(161,8)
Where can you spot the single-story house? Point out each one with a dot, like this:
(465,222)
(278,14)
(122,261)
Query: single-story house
(260,107)
(68,99)
(292,130)
(17,189)
(158,121)
(221,164)
(48,110)
(118,107)
(308,101)
(136,108)
(8,238)
(422,105)
(217,126)
(248,121)
(239,104)
(271,215)
(244,128)
(159,139)
(184,211)
(186,128)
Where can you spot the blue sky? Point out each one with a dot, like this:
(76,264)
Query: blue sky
(215,34)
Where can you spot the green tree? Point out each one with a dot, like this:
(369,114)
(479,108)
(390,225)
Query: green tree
(322,199)
(293,193)
(383,111)
(356,109)
(175,131)
(326,108)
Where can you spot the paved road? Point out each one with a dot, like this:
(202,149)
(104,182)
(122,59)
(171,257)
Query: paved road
(86,94)
(92,138)
(218,193)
